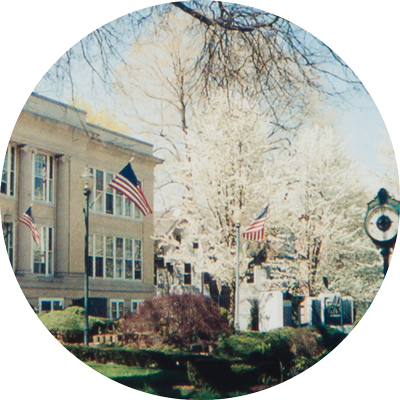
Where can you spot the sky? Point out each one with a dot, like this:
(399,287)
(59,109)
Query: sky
(357,119)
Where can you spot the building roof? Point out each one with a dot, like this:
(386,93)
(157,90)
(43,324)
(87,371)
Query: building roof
(60,112)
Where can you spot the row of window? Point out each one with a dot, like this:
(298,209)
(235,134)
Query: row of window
(117,307)
(115,257)
(107,200)
(109,257)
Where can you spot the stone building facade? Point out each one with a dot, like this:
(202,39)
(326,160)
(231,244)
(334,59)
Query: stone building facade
(50,147)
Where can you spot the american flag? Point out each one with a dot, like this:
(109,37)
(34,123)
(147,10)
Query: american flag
(27,219)
(127,184)
(255,231)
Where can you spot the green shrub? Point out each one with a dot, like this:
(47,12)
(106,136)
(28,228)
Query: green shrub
(68,325)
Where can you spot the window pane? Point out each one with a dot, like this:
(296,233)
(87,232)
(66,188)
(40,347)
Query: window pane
(11,183)
(99,245)
(99,180)
(4,175)
(113,310)
(118,204)
(90,266)
(99,189)
(43,263)
(39,192)
(109,203)
(138,270)
(50,263)
(40,172)
(12,166)
(137,213)
(50,248)
(128,269)
(46,305)
(138,250)
(128,249)
(187,268)
(57,305)
(109,247)
(138,260)
(109,268)
(120,309)
(119,247)
(187,279)
(128,207)
(118,268)
(99,267)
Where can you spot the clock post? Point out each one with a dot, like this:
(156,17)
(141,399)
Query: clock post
(381,224)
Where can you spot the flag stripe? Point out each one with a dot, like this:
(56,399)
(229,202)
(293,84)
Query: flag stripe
(255,231)
(132,192)
(127,184)
(28,221)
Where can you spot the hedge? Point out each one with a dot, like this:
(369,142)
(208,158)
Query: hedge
(68,325)
(239,362)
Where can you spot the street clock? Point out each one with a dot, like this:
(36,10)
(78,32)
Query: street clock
(382,219)
(382,223)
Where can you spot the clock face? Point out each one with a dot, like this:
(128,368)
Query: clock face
(382,223)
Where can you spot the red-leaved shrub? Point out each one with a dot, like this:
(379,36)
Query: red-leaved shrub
(176,319)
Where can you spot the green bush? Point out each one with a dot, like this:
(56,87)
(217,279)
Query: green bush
(68,325)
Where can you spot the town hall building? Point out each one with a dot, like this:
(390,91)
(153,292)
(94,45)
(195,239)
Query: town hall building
(50,147)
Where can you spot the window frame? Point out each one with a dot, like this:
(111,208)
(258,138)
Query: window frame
(49,193)
(49,251)
(119,312)
(138,305)
(140,259)
(52,300)
(10,160)
(187,274)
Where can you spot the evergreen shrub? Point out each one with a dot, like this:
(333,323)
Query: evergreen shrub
(68,325)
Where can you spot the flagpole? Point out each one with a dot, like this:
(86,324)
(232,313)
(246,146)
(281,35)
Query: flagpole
(237,216)
(237,225)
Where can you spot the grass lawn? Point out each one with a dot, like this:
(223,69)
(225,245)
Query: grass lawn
(165,383)
(114,371)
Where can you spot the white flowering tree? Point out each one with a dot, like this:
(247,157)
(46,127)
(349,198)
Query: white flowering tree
(325,208)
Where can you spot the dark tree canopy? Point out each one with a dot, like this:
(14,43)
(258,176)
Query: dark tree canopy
(242,49)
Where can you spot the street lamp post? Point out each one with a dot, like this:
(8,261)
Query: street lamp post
(87,180)
(236,220)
